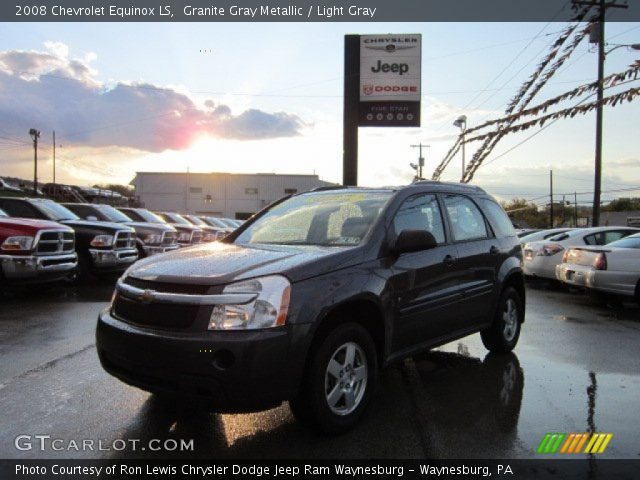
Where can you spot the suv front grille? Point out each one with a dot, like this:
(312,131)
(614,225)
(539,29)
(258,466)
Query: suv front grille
(196,237)
(55,241)
(155,315)
(124,240)
(160,315)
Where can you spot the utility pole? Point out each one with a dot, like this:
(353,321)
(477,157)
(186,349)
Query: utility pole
(420,158)
(35,135)
(550,198)
(597,36)
(54,164)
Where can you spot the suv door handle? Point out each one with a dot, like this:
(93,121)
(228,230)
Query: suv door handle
(494,250)
(449,260)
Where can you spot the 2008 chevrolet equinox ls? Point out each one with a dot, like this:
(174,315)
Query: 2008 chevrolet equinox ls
(306,301)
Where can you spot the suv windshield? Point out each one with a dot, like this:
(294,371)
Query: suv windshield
(55,211)
(112,214)
(319,218)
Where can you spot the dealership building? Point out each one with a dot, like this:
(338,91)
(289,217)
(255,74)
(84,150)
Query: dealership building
(231,195)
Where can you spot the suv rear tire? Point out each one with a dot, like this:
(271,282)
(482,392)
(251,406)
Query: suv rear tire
(502,336)
(339,380)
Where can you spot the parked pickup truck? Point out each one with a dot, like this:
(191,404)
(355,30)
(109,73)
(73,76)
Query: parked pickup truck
(35,251)
(101,247)
(187,234)
(151,238)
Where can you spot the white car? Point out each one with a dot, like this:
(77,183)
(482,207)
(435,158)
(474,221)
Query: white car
(543,235)
(614,268)
(541,258)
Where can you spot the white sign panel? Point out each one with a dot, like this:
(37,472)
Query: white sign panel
(390,79)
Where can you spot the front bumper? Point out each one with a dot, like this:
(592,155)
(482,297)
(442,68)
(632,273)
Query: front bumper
(113,260)
(156,249)
(236,371)
(20,267)
(619,283)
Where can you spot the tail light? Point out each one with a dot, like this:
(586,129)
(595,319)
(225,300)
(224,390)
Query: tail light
(600,263)
(550,249)
(565,256)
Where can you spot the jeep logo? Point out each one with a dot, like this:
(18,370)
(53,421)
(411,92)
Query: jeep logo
(399,68)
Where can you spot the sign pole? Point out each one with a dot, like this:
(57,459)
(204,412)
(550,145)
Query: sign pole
(351,109)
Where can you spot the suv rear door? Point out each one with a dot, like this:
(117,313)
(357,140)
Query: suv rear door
(425,283)
(479,258)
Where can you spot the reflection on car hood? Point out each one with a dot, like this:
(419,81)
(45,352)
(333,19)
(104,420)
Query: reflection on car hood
(218,263)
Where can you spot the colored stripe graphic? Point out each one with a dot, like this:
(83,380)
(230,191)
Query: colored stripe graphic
(598,443)
(551,442)
(572,443)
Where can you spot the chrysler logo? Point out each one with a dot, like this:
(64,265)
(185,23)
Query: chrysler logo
(390,47)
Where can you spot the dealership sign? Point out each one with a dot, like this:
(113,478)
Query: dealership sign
(390,80)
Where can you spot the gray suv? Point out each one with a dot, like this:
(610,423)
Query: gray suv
(307,301)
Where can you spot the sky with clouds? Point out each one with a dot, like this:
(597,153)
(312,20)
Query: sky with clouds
(267,98)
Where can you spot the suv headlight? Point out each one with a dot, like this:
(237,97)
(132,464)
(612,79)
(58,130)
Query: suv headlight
(269,309)
(18,243)
(102,241)
(153,239)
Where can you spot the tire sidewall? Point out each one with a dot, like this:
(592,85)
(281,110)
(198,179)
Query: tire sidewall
(326,420)
(509,293)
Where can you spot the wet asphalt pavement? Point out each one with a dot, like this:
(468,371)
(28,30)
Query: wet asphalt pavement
(576,369)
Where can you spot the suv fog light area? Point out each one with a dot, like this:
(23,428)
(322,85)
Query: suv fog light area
(269,309)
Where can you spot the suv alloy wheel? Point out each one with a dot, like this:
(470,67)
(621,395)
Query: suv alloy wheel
(339,380)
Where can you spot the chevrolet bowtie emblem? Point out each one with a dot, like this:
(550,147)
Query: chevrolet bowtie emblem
(147,296)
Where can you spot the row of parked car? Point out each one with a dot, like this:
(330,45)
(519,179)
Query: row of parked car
(602,259)
(43,241)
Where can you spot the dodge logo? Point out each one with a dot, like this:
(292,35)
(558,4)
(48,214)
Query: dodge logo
(367,89)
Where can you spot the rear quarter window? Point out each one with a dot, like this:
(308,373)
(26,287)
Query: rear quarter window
(498,218)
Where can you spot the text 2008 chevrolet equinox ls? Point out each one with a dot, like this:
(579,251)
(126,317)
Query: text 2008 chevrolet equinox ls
(305,302)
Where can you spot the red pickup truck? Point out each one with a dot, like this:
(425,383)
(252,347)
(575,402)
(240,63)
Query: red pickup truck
(34,251)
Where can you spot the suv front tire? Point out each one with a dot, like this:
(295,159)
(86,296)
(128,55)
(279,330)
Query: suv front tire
(339,380)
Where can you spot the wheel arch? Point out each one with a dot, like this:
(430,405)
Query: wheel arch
(364,310)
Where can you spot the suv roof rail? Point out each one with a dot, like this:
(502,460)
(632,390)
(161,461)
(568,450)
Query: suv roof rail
(464,186)
(329,187)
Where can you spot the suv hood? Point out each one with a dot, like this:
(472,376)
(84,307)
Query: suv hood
(219,263)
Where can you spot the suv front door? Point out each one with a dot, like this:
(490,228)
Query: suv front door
(425,283)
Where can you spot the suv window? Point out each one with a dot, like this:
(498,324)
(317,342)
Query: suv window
(467,222)
(21,209)
(420,212)
(498,219)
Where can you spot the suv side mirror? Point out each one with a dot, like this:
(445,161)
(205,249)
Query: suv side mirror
(414,241)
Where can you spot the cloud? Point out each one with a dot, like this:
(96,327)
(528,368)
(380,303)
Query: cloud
(49,90)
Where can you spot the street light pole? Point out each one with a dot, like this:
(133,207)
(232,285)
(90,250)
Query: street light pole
(35,134)
(461,123)
(420,159)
